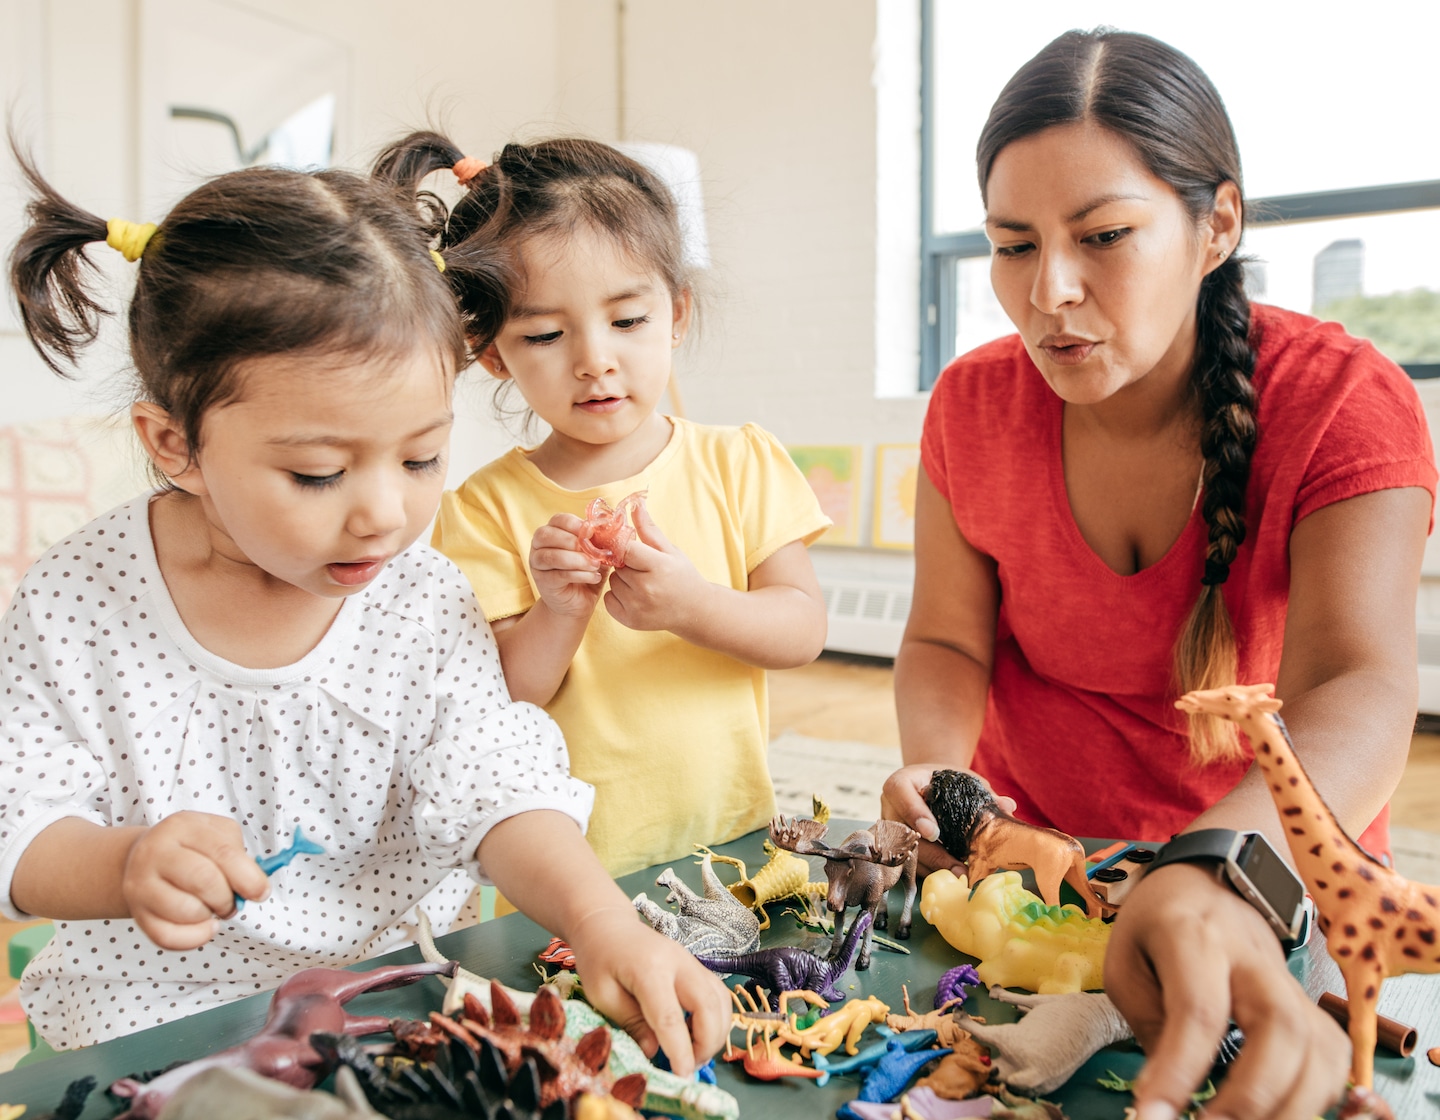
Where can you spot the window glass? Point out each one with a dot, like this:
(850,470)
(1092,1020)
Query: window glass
(1318,103)
(979,318)
(1377,274)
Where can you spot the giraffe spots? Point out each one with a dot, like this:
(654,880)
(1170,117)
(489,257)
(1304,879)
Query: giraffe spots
(1293,811)
(1344,951)
(1399,932)
(1367,953)
(1426,935)
(1350,930)
(1321,884)
(1296,830)
(1344,892)
(1276,787)
(1369,991)
(1388,905)
(1337,867)
(1264,747)
(1294,781)
(1414,916)
(1429,901)
(1377,923)
(1411,952)
(1317,849)
(1365,873)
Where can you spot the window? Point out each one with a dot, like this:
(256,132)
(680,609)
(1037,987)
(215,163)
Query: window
(1342,185)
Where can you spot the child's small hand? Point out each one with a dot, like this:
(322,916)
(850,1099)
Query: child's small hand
(646,983)
(184,873)
(658,588)
(569,582)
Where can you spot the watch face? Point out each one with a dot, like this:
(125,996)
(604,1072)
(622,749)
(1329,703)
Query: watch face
(1271,878)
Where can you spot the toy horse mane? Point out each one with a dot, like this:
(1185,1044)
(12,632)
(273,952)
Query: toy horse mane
(961,803)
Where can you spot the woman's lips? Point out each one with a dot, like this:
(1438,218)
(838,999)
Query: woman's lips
(1067,354)
(354,573)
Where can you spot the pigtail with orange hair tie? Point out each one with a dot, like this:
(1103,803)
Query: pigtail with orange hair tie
(468,169)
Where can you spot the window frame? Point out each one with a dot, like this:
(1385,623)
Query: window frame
(940,253)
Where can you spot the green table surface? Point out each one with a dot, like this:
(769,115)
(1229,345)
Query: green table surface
(505,949)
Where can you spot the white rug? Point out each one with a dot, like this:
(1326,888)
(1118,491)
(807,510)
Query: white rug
(847,775)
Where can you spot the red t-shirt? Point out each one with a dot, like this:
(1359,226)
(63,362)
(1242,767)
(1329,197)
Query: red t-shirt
(1080,726)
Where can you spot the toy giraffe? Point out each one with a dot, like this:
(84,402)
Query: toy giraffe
(1376,923)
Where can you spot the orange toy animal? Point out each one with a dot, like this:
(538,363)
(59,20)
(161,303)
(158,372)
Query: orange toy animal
(606,534)
(974,828)
(1376,923)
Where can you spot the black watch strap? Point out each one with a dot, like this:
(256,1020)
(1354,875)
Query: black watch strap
(1275,890)
(1204,845)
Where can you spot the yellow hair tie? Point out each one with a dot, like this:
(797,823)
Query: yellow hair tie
(439,260)
(129,238)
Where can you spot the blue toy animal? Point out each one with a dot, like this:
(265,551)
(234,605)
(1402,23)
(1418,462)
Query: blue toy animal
(871,1055)
(299,846)
(888,1079)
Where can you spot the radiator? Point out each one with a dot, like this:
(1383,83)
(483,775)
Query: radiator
(867,599)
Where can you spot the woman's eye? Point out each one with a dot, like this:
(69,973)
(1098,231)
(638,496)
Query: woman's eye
(425,466)
(317,481)
(1012,250)
(631,324)
(542,339)
(1110,236)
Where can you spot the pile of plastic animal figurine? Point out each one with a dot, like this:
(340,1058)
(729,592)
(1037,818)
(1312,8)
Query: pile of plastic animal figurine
(933,1065)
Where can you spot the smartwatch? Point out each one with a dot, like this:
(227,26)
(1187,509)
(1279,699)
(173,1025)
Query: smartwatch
(1253,868)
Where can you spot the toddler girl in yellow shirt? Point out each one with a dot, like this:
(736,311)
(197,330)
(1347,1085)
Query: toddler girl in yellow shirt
(654,668)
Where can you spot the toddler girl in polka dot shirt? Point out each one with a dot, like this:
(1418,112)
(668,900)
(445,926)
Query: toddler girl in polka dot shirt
(261,644)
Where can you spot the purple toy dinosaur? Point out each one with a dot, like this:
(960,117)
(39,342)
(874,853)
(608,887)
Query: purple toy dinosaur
(788,968)
(311,1000)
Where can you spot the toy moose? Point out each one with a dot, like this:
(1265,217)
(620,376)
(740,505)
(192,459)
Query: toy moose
(861,871)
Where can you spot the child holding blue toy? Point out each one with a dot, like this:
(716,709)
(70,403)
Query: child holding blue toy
(260,645)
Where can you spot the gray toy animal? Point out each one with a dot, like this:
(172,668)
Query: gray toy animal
(861,871)
(717,925)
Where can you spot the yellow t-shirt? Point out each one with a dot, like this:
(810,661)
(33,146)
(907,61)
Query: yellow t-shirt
(672,736)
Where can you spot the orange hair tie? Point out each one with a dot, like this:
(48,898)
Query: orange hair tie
(468,168)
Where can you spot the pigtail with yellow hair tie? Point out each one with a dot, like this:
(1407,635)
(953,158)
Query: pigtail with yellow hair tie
(468,169)
(438,259)
(129,238)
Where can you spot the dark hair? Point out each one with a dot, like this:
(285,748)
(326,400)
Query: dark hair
(251,264)
(1158,100)
(553,187)
(960,803)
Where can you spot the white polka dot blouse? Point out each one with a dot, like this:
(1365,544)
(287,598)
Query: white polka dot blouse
(394,744)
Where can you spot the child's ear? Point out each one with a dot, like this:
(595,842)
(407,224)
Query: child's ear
(684,305)
(164,441)
(493,363)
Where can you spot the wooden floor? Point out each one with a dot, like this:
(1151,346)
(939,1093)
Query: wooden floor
(850,698)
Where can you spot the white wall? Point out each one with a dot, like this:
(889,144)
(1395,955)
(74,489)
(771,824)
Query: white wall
(440,64)
(779,100)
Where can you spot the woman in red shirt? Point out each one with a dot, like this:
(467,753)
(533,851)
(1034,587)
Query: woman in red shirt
(1154,487)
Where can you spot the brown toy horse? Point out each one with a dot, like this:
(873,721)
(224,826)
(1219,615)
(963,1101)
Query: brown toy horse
(975,829)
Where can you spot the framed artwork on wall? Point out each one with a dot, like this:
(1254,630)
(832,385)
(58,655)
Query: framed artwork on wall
(897,470)
(833,472)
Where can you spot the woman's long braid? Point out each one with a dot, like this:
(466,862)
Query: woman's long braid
(1205,656)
